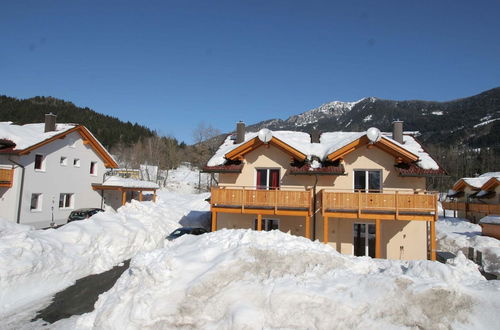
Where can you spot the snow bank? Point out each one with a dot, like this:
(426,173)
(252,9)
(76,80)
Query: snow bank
(38,263)
(243,279)
(455,234)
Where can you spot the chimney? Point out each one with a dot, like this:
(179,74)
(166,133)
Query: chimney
(315,135)
(240,132)
(50,122)
(397,131)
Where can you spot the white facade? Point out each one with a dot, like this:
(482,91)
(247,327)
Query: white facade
(62,184)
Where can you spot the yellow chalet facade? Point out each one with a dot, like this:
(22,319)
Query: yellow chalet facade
(364,193)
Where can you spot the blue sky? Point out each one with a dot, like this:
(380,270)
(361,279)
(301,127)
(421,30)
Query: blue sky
(171,65)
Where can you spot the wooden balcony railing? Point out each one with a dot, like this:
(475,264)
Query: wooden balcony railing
(472,207)
(397,205)
(6,177)
(250,199)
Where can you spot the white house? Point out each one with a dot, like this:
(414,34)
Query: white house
(48,170)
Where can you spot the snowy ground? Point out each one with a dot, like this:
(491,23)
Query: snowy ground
(185,179)
(456,234)
(243,279)
(35,264)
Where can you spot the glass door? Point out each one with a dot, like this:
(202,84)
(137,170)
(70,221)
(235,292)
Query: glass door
(364,240)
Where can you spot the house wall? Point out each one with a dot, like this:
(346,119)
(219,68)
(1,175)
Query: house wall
(53,180)
(400,239)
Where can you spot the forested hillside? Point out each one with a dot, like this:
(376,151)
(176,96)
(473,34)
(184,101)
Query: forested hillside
(109,130)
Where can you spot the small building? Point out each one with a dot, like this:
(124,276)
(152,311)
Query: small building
(475,198)
(364,193)
(491,226)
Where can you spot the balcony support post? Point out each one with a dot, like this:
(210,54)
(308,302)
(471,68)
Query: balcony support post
(325,230)
(214,221)
(124,197)
(377,238)
(308,226)
(433,240)
(259,222)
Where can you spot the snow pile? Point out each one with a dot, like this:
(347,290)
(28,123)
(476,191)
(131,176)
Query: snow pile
(11,228)
(37,263)
(27,135)
(455,234)
(243,279)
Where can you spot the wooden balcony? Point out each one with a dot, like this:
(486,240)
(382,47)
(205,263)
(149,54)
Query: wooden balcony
(257,201)
(6,177)
(397,205)
(472,207)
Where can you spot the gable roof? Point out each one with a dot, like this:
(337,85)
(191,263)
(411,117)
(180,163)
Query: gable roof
(331,147)
(29,137)
(485,182)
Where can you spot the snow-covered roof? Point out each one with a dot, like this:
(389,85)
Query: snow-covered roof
(491,219)
(25,136)
(116,181)
(479,181)
(329,142)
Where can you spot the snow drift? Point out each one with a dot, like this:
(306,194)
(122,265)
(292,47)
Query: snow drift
(37,263)
(243,279)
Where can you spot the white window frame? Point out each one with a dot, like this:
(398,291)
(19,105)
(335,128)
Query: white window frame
(76,162)
(268,176)
(367,246)
(265,223)
(39,202)
(63,161)
(94,173)
(65,198)
(367,179)
(42,163)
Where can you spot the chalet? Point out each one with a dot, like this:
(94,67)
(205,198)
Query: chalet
(362,192)
(475,198)
(48,169)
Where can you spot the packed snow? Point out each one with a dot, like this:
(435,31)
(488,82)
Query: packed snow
(37,263)
(27,135)
(243,279)
(456,234)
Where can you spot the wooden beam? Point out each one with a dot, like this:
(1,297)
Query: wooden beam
(433,240)
(154,196)
(325,230)
(124,197)
(214,221)
(259,222)
(377,238)
(140,195)
(86,142)
(308,226)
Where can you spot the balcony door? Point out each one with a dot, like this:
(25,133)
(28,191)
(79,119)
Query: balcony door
(268,179)
(364,240)
(368,180)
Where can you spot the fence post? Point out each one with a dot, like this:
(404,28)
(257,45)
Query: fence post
(470,253)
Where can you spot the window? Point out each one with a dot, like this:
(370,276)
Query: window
(364,240)
(76,162)
(367,180)
(63,161)
(93,168)
(65,201)
(268,179)
(39,162)
(268,224)
(36,202)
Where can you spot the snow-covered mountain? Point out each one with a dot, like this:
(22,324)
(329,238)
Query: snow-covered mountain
(473,121)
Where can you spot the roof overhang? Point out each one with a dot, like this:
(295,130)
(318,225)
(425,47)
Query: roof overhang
(239,152)
(383,144)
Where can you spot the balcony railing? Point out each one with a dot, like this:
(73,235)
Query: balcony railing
(251,198)
(397,205)
(472,207)
(6,177)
